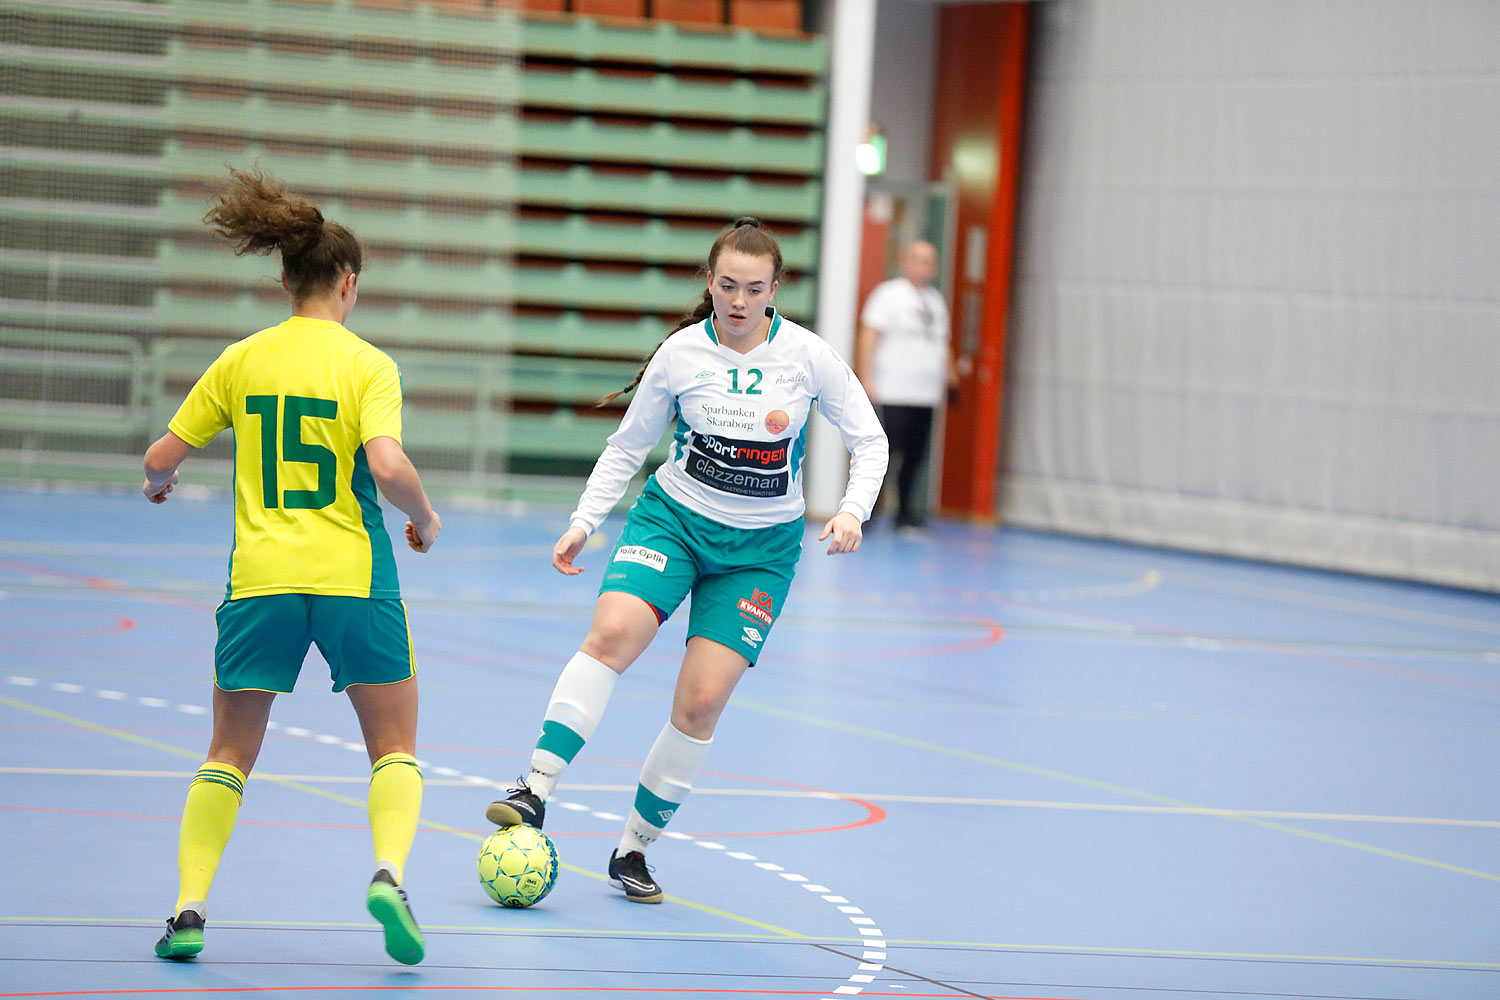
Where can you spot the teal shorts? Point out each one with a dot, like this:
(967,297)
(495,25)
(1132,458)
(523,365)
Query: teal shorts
(739,577)
(263,641)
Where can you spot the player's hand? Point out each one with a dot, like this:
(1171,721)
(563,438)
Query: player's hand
(567,549)
(421,537)
(158,494)
(846,531)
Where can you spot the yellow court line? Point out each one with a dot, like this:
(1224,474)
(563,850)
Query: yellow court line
(765,939)
(1105,786)
(1181,953)
(335,797)
(450,928)
(793,793)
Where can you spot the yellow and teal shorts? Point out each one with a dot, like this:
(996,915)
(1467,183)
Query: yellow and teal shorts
(263,641)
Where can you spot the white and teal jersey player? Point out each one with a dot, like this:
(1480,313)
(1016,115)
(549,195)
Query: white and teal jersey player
(721,520)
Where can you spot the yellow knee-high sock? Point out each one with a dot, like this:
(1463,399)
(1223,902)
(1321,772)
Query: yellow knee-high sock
(213,804)
(395,801)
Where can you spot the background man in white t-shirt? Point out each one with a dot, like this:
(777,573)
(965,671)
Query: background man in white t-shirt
(903,360)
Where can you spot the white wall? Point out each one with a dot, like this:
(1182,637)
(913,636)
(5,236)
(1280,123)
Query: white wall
(1257,300)
(903,83)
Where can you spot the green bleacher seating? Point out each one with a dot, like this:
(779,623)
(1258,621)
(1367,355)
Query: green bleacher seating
(664,44)
(584,90)
(404,124)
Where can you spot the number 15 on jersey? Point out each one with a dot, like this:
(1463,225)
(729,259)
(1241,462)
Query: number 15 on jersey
(294,449)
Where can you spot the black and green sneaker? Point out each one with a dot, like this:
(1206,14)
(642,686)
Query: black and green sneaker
(387,903)
(521,806)
(630,874)
(184,936)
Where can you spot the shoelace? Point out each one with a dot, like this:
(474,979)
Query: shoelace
(636,863)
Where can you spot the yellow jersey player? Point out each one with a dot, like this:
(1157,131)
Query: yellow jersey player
(316,415)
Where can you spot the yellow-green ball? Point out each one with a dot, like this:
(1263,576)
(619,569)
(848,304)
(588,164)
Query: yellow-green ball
(517,866)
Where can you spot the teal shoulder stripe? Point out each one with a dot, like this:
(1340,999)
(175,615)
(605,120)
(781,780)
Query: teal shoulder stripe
(234,542)
(680,435)
(383,582)
(775,325)
(708,325)
(800,445)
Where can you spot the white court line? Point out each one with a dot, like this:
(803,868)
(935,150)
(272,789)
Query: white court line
(870,933)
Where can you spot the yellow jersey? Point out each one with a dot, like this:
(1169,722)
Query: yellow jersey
(303,398)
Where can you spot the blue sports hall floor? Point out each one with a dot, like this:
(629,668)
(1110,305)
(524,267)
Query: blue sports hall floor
(975,763)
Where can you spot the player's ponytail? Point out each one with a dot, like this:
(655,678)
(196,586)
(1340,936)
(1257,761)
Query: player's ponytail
(748,237)
(257,215)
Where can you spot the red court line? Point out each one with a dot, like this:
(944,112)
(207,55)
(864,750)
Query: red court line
(20,727)
(1295,651)
(501,989)
(123,623)
(178,819)
(995,632)
(876,815)
(101,583)
(873,813)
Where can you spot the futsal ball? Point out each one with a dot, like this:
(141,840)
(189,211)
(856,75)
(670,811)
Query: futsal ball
(517,866)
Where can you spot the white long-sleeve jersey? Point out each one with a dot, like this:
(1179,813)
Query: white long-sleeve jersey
(741,428)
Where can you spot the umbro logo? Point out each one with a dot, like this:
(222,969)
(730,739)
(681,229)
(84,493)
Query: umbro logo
(752,636)
(704,374)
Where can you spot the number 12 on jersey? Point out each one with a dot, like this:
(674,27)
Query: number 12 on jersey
(294,449)
(749,390)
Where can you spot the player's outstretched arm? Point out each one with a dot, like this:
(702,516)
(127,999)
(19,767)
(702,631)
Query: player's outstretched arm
(162,460)
(846,531)
(398,480)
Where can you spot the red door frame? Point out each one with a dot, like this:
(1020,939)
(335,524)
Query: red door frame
(976,144)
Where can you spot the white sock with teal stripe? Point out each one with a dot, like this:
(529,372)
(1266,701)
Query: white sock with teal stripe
(577,704)
(666,779)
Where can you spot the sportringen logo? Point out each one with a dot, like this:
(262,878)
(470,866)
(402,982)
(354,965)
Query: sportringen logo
(744,454)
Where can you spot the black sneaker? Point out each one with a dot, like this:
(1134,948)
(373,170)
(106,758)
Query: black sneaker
(521,806)
(184,936)
(631,874)
(387,903)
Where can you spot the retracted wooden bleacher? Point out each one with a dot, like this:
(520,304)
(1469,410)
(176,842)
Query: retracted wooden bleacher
(535,195)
